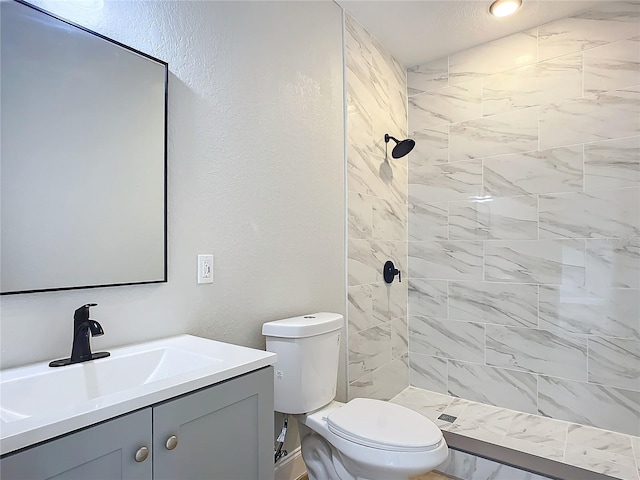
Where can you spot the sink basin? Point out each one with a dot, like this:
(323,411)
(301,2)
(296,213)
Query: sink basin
(38,402)
(57,389)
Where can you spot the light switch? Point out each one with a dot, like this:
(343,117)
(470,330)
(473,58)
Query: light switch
(205,268)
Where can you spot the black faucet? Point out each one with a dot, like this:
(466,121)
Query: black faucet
(81,349)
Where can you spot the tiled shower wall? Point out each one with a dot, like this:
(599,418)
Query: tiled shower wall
(377,218)
(524,221)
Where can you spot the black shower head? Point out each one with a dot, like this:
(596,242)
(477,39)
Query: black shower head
(402,146)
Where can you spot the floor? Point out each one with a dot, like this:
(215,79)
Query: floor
(433,476)
(602,451)
(426,476)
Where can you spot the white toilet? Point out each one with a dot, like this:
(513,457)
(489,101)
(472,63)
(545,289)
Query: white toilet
(363,439)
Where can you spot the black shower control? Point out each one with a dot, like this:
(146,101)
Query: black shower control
(389,271)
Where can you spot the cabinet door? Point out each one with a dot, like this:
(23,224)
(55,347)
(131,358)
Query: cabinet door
(224,432)
(105,451)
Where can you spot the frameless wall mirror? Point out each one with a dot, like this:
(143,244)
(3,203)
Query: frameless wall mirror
(83,157)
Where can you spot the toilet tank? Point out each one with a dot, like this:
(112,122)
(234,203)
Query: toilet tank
(308,349)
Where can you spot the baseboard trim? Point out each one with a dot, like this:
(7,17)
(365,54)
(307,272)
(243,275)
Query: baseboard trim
(291,467)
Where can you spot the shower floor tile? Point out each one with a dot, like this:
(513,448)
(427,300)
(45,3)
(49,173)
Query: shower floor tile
(614,454)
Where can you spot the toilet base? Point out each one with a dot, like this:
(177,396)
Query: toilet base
(324,461)
(318,456)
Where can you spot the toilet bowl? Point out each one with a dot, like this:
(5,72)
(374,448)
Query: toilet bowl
(363,439)
(369,439)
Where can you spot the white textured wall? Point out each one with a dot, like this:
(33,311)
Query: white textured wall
(256,177)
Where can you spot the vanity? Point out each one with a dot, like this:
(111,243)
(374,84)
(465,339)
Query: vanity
(178,408)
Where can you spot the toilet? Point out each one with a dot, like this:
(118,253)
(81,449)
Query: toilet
(363,439)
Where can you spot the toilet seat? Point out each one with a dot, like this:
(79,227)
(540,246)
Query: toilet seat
(384,426)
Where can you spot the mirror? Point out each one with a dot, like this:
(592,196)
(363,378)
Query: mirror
(83,157)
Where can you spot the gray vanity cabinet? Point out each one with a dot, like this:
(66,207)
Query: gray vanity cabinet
(104,451)
(222,432)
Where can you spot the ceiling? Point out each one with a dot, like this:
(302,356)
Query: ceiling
(416,31)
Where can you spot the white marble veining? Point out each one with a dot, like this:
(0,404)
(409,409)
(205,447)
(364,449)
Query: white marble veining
(524,218)
(428,403)
(447,181)
(376,98)
(360,216)
(389,301)
(556,262)
(428,221)
(609,312)
(432,146)
(537,351)
(455,103)
(368,350)
(428,297)
(613,262)
(543,171)
(612,164)
(612,66)
(589,404)
(497,303)
(509,218)
(608,22)
(537,435)
(383,383)
(610,464)
(428,372)
(480,421)
(446,260)
(358,42)
(399,337)
(359,264)
(446,338)
(428,76)
(599,439)
(360,308)
(598,214)
(389,219)
(602,116)
(506,53)
(537,84)
(601,451)
(615,361)
(589,448)
(508,132)
(495,386)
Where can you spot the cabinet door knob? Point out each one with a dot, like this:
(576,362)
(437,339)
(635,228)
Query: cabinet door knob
(142,454)
(172,442)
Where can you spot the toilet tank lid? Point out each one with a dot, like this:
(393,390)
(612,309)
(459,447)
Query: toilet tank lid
(304,325)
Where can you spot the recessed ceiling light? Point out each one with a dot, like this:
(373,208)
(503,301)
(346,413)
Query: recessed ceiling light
(502,8)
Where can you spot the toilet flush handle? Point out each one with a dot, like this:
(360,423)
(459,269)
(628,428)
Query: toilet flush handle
(389,271)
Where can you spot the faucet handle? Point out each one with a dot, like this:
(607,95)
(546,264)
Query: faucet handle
(82,313)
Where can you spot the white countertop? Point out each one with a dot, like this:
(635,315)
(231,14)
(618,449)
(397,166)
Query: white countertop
(38,402)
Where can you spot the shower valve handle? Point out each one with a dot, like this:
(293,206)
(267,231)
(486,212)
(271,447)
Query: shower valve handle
(389,271)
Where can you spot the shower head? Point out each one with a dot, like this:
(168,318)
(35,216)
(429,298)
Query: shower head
(402,146)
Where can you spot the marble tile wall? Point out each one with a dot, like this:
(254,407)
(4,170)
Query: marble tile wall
(377,218)
(524,221)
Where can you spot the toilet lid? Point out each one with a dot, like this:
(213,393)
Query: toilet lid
(384,425)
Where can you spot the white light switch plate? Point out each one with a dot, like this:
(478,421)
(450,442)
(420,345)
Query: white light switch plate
(205,268)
